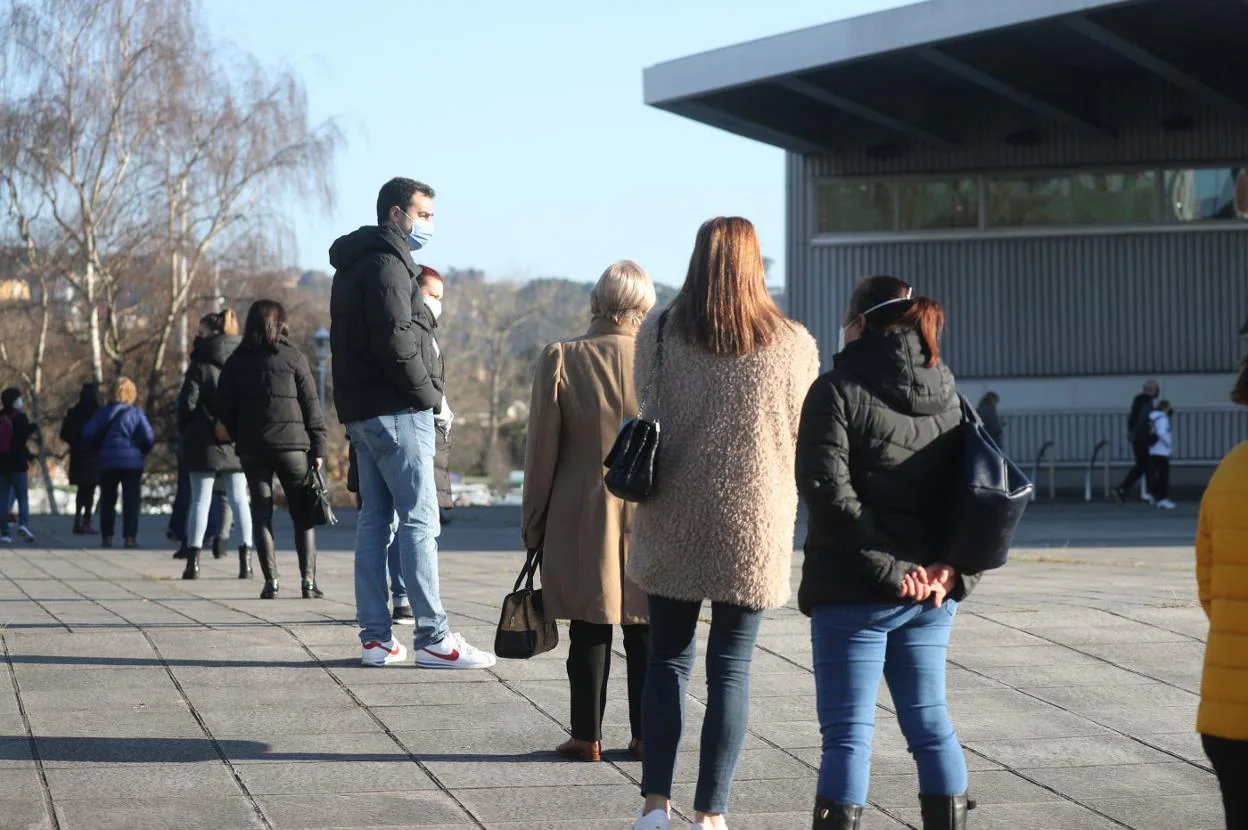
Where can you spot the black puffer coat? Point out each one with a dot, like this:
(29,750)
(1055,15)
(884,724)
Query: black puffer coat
(202,452)
(84,458)
(876,454)
(381,350)
(268,403)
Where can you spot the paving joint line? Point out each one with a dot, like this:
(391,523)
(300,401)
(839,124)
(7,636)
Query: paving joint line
(30,737)
(216,745)
(36,602)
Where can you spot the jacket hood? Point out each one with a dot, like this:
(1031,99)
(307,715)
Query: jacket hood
(370,239)
(215,350)
(891,366)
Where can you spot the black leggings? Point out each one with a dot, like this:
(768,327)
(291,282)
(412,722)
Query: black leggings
(289,468)
(1230,764)
(86,500)
(589,668)
(130,482)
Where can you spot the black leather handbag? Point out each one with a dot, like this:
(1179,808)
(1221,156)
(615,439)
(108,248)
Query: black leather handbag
(987,500)
(316,506)
(523,629)
(633,460)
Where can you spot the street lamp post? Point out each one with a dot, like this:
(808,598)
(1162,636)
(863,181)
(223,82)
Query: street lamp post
(321,338)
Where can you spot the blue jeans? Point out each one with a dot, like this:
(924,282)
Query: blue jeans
(179,516)
(853,646)
(394,458)
(14,487)
(203,499)
(673,647)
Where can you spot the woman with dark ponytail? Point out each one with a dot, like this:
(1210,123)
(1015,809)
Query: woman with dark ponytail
(876,451)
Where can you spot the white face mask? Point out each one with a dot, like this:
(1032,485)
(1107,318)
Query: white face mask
(19,405)
(435,306)
(840,342)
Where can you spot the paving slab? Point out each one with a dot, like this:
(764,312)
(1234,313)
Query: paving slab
(158,703)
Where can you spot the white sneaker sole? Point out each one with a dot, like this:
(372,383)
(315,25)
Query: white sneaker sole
(389,660)
(403,622)
(444,665)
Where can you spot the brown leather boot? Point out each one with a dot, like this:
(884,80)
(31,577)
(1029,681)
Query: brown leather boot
(580,750)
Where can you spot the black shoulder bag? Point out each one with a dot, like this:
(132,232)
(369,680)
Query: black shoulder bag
(987,500)
(523,629)
(633,459)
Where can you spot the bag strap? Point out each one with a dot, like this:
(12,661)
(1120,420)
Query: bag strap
(655,366)
(108,425)
(531,566)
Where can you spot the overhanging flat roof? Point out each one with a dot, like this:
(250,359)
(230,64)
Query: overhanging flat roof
(890,75)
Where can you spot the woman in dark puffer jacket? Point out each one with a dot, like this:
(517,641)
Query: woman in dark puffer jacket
(268,405)
(876,451)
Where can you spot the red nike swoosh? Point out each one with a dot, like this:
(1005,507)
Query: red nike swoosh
(450,658)
(390,651)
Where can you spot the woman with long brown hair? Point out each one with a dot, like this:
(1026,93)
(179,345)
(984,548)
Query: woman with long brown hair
(727,389)
(876,453)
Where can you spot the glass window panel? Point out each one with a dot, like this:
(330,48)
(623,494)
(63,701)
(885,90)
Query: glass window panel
(856,206)
(1039,201)
(938,204)
(1200,194)
(1113,198)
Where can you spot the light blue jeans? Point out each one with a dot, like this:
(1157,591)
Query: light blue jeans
(906,643)
(14,488)
(201,505)
(394,458)
(398,588)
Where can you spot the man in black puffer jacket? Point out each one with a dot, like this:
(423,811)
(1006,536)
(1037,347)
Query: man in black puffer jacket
(387,390)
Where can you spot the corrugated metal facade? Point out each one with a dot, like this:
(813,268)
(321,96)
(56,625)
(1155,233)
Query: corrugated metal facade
(1106,304)
(1200,435)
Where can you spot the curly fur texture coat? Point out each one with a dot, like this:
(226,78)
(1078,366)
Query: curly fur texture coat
(719,525)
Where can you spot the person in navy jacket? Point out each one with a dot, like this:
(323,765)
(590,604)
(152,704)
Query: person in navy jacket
(124,437)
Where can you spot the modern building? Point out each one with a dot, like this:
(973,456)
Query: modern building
(1068,177)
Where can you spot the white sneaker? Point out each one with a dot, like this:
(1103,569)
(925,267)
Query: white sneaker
(453,652)
(382,654)
(6,540)
(26,534)
(1166,504)
(1147,499)
(654,820)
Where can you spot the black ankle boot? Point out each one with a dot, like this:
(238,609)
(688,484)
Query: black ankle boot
(270,589)
(181,553)
(192,564)
(830,816)
(244,562)
(220,547)
(944,812)
(310,590)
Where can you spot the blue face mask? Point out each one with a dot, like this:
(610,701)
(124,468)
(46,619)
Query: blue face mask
(420,234)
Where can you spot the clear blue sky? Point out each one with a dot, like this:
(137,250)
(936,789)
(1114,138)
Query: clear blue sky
(528,120)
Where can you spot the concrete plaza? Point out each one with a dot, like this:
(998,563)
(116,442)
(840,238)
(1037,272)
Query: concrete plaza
(131,699)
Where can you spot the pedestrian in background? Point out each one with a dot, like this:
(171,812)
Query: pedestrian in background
(84,461)
(16,430)
(207,459)
(123,436)
(1222,582)
(719,525)
(993,424)
(1159,452)
(267,405)
(582,393)
(1140,436)
(876,454)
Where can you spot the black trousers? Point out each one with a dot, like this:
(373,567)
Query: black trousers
(1230,764)
(85,501)
(1142,462)
(589,669)
(1159,477)
(130,482)
(289,468)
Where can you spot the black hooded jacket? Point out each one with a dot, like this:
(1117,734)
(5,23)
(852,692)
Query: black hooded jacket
(876,453)
(197,402)
(380,332)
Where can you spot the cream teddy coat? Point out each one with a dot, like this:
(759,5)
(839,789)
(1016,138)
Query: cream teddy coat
(719,525)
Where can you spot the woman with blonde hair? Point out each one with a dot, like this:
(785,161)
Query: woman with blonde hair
(206,457)
(1222,583)
(728,373)
(123,436)
(582,393)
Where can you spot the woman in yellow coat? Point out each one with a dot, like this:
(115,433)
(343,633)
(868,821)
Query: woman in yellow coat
(1222,577)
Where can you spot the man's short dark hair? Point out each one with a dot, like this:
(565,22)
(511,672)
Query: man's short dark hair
(398,192)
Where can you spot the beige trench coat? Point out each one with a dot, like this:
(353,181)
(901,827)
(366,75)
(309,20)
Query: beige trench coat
(582,392)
